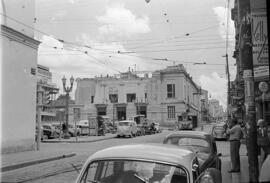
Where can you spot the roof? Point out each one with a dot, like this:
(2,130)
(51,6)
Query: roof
(126,121)
(153,152)
(189,133)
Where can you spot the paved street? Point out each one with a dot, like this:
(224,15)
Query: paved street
(66,170)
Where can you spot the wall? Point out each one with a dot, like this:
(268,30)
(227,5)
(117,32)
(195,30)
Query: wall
(18,80)
(85,89)
(18,96)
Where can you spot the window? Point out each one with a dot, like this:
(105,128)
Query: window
(92,99)
(126,171)
(131,97)
(145,96)
(171,112)
(113,98)
(171,90)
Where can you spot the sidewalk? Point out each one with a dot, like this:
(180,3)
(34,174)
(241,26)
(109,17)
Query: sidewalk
(14,161)
(80,139)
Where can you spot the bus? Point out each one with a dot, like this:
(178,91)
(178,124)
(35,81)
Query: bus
(185,122)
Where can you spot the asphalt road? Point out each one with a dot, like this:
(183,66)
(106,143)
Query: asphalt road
(66,170)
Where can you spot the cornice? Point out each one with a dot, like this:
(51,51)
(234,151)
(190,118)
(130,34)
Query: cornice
(19,37)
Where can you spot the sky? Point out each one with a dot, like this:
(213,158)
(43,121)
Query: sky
(88,38)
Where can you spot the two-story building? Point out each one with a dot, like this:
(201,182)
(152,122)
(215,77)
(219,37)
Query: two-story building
(163,98)
(116,97)
(172,92)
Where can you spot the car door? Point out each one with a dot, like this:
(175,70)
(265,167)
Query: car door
(213,160)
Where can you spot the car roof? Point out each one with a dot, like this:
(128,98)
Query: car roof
(149,151)
(188,133)
(126,121)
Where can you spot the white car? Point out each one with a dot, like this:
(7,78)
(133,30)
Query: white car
(126,128)
(145,163)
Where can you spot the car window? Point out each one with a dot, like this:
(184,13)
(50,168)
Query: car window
(115,171)
(123,123)
(218,128)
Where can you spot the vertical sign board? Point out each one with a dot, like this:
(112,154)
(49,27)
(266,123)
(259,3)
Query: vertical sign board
(260,44)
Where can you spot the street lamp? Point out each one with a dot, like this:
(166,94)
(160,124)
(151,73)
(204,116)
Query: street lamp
(67,90)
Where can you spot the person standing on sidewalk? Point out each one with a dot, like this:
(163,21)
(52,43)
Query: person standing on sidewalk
(235,135)
(263,139)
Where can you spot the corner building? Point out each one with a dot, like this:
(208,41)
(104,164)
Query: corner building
(162,98)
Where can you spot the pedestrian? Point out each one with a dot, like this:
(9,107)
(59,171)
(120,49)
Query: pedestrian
(235,135)
(263,139)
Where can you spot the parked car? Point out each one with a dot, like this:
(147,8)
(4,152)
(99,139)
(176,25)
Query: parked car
(147,128)
(201,143)
(140,130)
(157,128)
(219,131)
(73,130)
(149,163)
(50,131)
(126,128)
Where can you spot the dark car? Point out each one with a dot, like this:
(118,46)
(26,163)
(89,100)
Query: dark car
(201,143)
(50,131)
(148,129)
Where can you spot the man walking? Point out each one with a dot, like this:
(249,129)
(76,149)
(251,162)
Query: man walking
(235,135)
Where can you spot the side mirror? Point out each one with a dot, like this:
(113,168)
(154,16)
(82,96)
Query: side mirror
(219,154)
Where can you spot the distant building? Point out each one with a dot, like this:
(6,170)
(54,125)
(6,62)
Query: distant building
(49,91)
(18,76)
(172,92)
(163,98)
(216,110)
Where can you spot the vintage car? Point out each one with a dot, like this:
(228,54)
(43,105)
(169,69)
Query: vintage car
(50,131)
(140,130)
(219,131)
(149,163)
(201,143)
(126,128)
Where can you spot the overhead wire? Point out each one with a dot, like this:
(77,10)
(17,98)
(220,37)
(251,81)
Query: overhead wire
(85,46)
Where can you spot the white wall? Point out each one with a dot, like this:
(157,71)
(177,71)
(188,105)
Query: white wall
(18,85)
(18,96)
(21,10)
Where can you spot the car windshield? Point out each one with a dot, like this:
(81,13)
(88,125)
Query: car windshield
(219,128)
(194,144)
(129,171)
(124,123)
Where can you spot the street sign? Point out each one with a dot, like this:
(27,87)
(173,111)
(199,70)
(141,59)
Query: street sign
(259,38)
(263,87)
(261,71)
(247,74)
(76,114)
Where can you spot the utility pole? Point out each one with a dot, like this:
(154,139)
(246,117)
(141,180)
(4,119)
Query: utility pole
(247,59)
(39,108)
(229,89)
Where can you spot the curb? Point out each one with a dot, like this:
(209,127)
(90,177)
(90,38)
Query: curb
(34,162)
(74,141)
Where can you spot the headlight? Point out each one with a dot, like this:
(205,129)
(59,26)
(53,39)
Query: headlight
(206,179)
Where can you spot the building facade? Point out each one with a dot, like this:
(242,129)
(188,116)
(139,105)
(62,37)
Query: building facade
(251,53)
(163,97)
(18,78)
(49,92)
